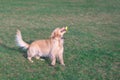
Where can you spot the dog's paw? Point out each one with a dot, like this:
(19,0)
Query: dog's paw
(42,59)
(52,64)
(63,64)
(37,57)
(29,58)
(31,61)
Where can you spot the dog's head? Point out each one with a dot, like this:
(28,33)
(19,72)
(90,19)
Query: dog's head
(58,33)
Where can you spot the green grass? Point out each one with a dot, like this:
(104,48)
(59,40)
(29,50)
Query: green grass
(92,43)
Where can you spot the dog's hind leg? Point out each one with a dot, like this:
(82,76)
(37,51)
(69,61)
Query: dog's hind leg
(53,59)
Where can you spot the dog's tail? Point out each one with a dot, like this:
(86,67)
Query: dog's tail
(20,41)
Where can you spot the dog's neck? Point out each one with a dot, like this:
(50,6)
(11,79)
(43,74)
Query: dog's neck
(58,38)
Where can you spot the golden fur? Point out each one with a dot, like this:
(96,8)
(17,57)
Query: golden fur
(52,47)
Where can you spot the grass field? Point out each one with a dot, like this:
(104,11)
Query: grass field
(92,43)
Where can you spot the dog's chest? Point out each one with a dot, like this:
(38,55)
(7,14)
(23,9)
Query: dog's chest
(58,43)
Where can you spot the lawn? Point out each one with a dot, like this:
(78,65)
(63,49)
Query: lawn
(92,43)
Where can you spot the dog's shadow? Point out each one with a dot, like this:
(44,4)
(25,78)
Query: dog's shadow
(20,50)
(13,49)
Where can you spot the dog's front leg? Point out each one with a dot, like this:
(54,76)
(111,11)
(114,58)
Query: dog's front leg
(60,56)
(61,59)
(53,59)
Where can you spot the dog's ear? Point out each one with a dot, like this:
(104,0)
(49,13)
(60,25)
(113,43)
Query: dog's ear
(53,34)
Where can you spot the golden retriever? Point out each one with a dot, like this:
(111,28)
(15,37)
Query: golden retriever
(52,47)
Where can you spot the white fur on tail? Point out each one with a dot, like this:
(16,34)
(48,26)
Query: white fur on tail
(20,41)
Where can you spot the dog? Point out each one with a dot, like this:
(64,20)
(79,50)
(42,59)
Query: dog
(52,47)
